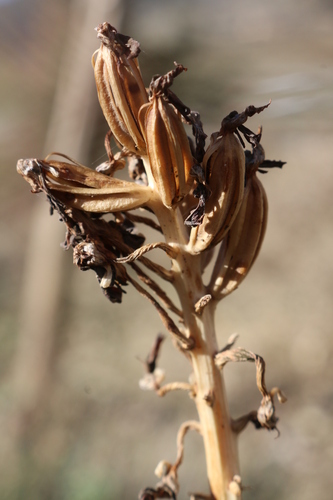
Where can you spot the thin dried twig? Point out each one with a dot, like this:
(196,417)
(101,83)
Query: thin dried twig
(186,343)
(154,376)
(115,162)
(168,487)
(231,341)
(170,251)
(190,425)
(235,120)
(237,354)
(239,424)
(265,416)
(176,386)
(163,273)
(153,354)
(157,289)
(139,219)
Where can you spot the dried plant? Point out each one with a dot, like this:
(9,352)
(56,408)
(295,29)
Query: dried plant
(206,204)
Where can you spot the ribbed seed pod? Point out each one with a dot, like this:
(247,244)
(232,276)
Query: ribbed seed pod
(80,187)
(168,150)
(120,88)
(224,163)
(242,244)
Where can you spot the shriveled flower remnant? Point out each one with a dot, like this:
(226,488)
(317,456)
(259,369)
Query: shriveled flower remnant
(206,204)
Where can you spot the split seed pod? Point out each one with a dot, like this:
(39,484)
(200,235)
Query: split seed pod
(168,150)
(242,243)
(224,163)
(120,88)
(80,187)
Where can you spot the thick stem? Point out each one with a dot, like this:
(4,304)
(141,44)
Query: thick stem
(220,441)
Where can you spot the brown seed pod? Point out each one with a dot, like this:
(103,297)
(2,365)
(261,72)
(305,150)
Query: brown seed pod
(120,88)
(224,163)
(242,243)
(80,187)
(168,150)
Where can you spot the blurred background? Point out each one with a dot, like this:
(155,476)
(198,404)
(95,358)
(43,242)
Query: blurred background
(74,423)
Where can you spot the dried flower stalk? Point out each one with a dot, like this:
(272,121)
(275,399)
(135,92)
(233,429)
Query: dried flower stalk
(202,197)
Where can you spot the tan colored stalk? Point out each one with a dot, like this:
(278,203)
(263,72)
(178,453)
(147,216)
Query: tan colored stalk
(173,173)
(220,441)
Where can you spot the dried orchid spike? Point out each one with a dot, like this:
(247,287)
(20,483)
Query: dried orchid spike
(193,198)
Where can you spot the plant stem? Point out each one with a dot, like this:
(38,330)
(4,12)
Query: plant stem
(220,441)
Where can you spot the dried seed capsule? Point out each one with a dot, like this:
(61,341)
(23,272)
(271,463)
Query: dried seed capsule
(224,163)
(242,243)
(120,88)
(168,150)
(79,187)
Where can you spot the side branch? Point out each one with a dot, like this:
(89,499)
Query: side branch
(168,485)
(157,289)
(265,416)
(187,343)
(176,386)
(139,219)
(163,273)
(190,425)
(171,252)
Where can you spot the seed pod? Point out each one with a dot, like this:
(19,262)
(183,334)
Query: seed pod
(120,88)
(80,187)
(168,150)
(242,243)
(224,163)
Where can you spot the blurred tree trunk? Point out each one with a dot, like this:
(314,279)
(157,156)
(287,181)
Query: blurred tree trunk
(70,131)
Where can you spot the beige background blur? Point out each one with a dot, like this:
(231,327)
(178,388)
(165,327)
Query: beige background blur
(73,421)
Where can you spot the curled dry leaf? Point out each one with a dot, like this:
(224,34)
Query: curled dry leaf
(265,416)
